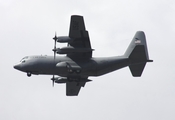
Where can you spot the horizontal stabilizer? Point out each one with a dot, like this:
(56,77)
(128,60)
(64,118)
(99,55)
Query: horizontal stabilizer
(137,69)
(138,54)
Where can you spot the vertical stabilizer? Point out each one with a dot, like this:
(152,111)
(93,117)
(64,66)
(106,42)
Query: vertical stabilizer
(137,53)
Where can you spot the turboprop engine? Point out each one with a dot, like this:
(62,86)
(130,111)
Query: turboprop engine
(64,39)
(65,80)
(70,49)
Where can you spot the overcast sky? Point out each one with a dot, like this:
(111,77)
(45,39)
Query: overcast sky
(27,28)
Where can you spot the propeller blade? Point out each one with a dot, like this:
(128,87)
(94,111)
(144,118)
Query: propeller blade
(55,38)
(54,54)
(54,50)
(53,80)
(53,83)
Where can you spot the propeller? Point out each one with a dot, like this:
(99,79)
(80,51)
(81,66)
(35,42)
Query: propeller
(53,80)
(54,50)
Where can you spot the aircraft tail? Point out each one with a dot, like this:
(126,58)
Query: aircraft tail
(137,53)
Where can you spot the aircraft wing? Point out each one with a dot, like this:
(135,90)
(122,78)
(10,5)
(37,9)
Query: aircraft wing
(80,38)
(73,88)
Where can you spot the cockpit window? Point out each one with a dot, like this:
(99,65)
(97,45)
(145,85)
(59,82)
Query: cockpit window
(24,59)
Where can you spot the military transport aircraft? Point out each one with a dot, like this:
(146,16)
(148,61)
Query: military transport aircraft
(78,64)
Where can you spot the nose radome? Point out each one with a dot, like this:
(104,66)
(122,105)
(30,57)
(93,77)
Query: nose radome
(17,66)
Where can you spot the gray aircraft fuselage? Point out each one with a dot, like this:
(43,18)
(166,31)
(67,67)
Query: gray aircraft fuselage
(66,67)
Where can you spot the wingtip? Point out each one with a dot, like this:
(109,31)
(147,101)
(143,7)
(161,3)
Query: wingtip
(140,32)
(76,16)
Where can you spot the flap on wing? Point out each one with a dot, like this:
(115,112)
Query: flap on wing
(73,88)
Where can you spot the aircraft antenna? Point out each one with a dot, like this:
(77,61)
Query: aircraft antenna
(54,50)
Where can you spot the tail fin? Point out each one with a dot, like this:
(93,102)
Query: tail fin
(137,53)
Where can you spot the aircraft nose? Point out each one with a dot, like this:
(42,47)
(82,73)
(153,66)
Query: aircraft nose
(17,66)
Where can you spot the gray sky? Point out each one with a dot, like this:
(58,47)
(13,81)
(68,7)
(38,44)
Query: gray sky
(27,28)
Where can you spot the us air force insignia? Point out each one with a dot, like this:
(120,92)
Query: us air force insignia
(137,41)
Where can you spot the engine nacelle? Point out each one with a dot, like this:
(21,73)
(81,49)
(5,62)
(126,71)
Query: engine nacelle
(70,49)
(65,80)
(64,39)
(61,80)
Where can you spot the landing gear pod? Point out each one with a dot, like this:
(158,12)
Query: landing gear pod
(29,74)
